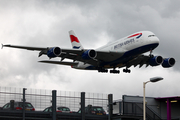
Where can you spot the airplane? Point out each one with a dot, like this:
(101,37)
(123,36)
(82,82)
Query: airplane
(123,53)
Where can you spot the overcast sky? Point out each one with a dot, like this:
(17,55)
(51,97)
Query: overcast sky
(45,23)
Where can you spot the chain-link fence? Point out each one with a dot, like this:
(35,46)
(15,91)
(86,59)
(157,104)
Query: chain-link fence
(42,99)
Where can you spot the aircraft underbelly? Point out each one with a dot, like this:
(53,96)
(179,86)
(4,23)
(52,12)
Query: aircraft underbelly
(128,56)
(110,58)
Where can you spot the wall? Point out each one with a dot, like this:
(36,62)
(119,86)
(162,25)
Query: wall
(157,106)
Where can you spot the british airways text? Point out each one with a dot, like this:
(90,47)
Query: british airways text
(124,43)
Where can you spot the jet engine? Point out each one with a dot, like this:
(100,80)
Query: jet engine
(157,60)
(168,62)
(53,52)
(89,54)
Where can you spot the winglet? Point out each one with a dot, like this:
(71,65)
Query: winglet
(2,46)
(75,41)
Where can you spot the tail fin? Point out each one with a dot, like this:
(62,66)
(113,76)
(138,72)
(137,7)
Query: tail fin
(74,41)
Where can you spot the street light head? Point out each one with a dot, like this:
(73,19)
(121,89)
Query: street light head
(155,79)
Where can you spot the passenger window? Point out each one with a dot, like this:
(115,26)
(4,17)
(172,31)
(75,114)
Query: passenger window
(7,106)
(28,105)
(50,109)
(46,110)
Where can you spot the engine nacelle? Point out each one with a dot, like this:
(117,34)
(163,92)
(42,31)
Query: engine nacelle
(157,60)
(168,62)
(53,52)
(89,54)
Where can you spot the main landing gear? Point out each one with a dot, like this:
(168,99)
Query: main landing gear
(126,70)
(115,71)
(102,70)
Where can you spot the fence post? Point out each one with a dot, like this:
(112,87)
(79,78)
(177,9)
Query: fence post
(54,104)
(82,105)
(110,103)
(24,103)
(12,104)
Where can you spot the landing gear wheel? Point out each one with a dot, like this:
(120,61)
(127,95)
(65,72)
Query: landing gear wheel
(115,71)
(102,70)
(126,70)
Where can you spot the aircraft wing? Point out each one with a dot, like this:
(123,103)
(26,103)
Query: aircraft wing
(24,47)
(60,63)
(73,54)
(139,60)
(76,54)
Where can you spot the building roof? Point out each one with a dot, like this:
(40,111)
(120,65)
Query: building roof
(170,98)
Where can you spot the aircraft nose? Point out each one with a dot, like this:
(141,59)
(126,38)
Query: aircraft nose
(154,40)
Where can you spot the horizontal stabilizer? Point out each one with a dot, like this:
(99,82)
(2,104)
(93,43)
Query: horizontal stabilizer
(59,62)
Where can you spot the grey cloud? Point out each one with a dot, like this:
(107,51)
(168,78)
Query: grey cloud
(46,23)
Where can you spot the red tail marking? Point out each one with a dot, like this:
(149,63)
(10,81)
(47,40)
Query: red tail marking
(73,38)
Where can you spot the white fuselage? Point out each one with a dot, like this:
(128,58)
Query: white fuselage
(126,44)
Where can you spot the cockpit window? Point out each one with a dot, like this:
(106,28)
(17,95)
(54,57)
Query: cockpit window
(151,36)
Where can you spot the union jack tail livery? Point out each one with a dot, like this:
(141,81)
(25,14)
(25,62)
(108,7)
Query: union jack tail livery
(74,40)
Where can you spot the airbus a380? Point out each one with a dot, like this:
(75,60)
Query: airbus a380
(125,52)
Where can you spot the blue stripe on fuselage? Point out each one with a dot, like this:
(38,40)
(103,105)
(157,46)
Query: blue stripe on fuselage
(141,49)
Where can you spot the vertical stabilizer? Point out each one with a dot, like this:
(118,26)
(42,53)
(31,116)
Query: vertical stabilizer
(74,41)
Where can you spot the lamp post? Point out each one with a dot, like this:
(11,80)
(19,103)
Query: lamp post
(154,79)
